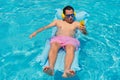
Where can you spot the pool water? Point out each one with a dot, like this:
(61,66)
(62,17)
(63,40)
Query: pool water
(99,57)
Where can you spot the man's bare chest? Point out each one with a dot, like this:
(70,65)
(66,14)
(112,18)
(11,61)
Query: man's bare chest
(65,26)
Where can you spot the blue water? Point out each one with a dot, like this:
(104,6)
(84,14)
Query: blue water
(100,50)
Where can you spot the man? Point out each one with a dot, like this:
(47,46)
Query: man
(64,38)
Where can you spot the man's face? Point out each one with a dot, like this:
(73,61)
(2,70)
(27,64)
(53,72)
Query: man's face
(69,16)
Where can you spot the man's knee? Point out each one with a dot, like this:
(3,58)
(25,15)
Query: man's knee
(70,48)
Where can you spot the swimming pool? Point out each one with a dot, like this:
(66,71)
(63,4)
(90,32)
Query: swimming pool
(100,50)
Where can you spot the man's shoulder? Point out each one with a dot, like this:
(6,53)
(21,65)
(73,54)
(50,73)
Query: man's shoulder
(58,21)
(76,22)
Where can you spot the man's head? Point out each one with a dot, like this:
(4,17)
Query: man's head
(68,11)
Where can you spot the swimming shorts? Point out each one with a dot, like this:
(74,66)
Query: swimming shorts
(64,40)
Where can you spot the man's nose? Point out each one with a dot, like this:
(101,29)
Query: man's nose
(71,17)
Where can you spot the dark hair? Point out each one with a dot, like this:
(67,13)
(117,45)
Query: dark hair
(67,8)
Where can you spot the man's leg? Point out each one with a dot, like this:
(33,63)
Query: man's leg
(53,53)
(68,61)
(54,47)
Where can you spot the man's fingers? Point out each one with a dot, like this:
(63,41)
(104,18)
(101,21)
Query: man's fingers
(31,36)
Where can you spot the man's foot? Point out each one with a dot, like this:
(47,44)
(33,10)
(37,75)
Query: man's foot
(48,70)
(68,73)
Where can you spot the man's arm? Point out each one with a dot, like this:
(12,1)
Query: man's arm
(43,28)
(82,28)
(48,26)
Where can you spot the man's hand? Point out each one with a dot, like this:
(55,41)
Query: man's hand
(33,34)
(83,30)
